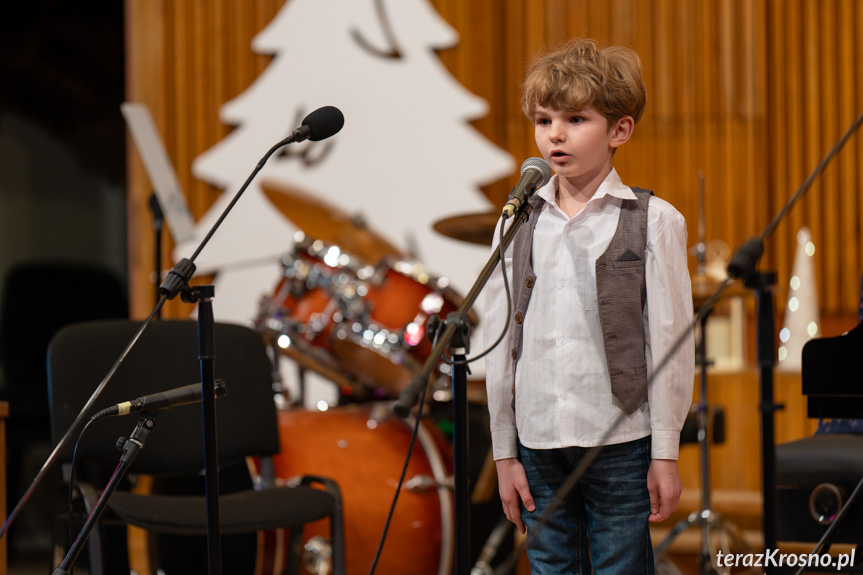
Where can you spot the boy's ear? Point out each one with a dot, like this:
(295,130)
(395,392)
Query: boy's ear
(621,131)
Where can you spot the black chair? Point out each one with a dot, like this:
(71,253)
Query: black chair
(166,357)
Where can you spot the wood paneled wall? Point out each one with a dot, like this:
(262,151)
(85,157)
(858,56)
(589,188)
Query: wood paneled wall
(750,92)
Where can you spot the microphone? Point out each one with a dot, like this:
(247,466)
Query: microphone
(162,400)
(319,125)
(535,173)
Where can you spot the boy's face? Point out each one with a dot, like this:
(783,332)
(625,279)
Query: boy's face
(577,145)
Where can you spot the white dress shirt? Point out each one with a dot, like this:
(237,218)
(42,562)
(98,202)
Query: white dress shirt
(562,386)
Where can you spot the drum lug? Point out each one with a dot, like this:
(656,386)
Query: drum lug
(423,483)
(318,556)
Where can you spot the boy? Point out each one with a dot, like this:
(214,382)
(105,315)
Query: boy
(604,269)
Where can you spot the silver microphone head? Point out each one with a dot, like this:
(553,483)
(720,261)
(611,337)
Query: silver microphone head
(541,165)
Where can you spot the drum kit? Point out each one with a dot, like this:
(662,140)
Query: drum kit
(355,309)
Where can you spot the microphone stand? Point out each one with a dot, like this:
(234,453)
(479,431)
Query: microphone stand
(158,221)
(742,265)
(130,448)
(454,332)
(203,295)
(176,282)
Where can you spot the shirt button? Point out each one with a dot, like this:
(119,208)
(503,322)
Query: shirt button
(528,282)
(562,341)
(562,283)
(514,353)
(519,317)
(563,396)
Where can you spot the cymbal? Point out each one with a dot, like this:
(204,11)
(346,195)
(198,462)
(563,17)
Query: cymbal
(476,228)
(327,223)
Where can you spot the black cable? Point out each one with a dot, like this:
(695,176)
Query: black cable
(72,482)
(506,288)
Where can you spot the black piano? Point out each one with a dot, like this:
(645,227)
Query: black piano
(816,475)
(832,375)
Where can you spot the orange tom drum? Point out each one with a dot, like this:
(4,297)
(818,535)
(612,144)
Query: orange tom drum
(385,345)
(363,448)
(310,298)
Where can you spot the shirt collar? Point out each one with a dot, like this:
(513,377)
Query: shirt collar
(610,186)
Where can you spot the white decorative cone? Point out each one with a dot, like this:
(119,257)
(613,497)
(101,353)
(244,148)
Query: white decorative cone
(801,311)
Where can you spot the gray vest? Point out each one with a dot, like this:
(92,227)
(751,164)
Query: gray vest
(621,294)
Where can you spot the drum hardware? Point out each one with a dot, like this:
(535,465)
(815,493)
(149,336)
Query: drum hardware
(490,549)
(423,483)
(381,412)
(318,556)
(382,340)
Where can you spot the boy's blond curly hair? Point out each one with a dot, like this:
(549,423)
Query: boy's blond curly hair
(579,74)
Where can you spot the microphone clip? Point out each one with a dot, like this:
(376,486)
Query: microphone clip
(301,134)
(178,278)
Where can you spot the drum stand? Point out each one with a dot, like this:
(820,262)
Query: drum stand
(713,527)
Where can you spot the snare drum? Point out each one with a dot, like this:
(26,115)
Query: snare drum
(385,345)
(363,448)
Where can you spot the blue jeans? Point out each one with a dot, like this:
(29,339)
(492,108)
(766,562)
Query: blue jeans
(602,524)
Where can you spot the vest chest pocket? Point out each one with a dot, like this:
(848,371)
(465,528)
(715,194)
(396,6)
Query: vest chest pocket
(586,288)
(628,273)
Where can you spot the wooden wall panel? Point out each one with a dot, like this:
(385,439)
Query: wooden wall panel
(750,92)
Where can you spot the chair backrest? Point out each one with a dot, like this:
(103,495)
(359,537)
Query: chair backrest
(165,357)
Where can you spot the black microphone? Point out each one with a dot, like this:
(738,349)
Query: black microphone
(162,400)
(743,260)
(535,173)
(320,125)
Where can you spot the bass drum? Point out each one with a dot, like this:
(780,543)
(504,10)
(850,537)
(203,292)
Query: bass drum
(363,448)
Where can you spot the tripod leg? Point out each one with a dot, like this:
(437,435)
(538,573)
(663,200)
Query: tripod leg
(693,519)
